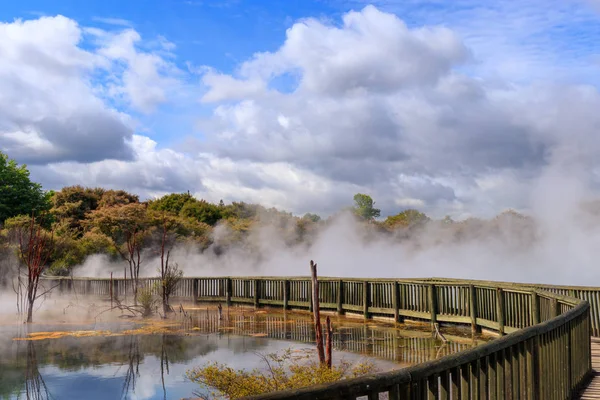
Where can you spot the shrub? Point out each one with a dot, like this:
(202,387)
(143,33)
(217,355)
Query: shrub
(282,371)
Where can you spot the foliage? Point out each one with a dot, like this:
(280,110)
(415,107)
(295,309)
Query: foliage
(311,217)
(113,198)
(18,195)
(72,204)
(406,218)
(201,211)
(364,207)
(146,300)
(171,203)
(286,370)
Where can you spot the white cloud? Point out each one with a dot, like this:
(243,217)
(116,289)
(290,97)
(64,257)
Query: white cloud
(371,105)
(53,105)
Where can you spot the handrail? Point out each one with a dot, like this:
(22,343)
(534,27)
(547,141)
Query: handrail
(545,355)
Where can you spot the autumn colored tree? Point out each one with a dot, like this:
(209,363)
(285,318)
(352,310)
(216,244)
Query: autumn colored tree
(405,219)
(70,206)
(114,198)
(128,228)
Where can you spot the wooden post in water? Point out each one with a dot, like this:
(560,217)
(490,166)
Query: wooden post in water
(500,310)
(111,290)
(329,343)
(316,312)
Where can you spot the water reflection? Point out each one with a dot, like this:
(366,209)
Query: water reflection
(152,366)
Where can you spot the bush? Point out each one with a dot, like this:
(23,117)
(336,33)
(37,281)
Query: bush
(282,371)
(146,301)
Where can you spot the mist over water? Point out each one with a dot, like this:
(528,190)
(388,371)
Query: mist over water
(558,243)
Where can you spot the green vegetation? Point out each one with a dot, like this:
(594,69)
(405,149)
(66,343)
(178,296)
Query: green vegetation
(282,371)
(18,195)
(86,221)
(364,207)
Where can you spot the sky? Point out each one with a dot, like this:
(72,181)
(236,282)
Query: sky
(454,108)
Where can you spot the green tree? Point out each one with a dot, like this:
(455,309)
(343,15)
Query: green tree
(18,195)
(202,211)
(364,207)
(311,217)
(171,203)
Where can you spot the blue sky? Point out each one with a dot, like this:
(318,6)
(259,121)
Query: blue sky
(450,107)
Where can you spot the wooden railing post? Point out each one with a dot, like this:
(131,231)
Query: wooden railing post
(366,297)
(396,301)
(256,293)
(228,291)
(500,310)
(340,297)
(533,368)
(195,290)
(535,308)
(433,304)
(473,309)
(286,294)
(553,308)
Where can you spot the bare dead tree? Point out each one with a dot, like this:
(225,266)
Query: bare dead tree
(317,312)
(164,364)
(133,367)
(132,254)
(35,246)
(170,274)
(35,386)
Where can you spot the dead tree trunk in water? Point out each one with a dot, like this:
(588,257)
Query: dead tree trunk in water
(316,312)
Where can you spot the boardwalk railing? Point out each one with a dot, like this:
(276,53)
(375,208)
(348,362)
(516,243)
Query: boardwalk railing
(546,354)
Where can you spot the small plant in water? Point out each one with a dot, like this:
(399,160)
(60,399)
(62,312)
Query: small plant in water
(146,300)
(286,370)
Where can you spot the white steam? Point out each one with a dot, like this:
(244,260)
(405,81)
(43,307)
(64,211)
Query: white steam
(559,247)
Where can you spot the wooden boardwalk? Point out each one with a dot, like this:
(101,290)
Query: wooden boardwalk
(592,390)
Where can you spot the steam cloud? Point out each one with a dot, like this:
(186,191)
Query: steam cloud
(558,245)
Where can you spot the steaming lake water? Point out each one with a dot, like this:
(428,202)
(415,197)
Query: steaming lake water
(138,360)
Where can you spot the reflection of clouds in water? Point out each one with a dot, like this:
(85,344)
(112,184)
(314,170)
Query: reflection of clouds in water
(96,367)
(106,381)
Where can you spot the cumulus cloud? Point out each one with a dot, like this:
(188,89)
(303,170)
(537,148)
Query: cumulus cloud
(379,107)
(370,104)
(54,107)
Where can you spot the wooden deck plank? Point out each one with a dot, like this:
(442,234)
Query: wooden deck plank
(592,390)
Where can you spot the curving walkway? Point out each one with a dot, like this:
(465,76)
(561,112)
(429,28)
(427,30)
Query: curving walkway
(592,390)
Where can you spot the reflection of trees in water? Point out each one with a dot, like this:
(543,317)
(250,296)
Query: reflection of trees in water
(133,366)
(164,363)
(35,387)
